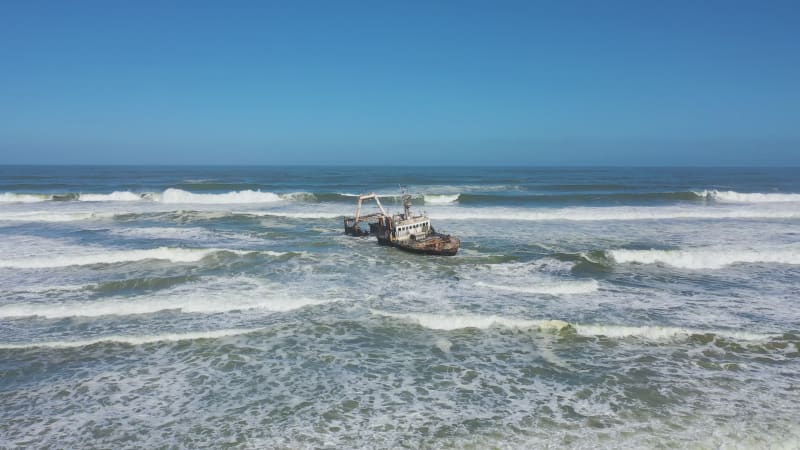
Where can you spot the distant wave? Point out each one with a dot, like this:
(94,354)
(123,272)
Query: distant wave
(11,197)
(755,197)
(299,197)
(580,214)
(459,321)
(110,257)
(168,196)
(205,296)
(612,213)
(116,196)
(180,196)
(434,195)
(186,302)
(440,199)
(549,288)
(136,340)
(47,216)
(295,215)
(705,258)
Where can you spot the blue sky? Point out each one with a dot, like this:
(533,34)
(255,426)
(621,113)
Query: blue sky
(534,83)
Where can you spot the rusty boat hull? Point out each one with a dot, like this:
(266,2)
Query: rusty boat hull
(441,245)
(406,231)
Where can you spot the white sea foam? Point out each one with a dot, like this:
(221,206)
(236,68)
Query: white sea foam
(753,197)
(116,196)
(455,322)
(459,321)
(11,197)
(109,257)
(547,287)
(614,213)
(205,297)
(707,258)
(458,213)
(438,199)
(203,302)
(47,216)
(292,214)
(662,333)
(137,340)
(299,196)
(579,214)
(172,195)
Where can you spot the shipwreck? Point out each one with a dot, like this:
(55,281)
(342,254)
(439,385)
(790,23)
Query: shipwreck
(406,231)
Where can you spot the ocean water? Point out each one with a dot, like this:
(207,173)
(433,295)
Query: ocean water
(222,307)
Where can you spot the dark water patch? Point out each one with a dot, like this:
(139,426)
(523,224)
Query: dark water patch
(39,188)
(589,263)
(579,187)
(67,197)
(141,284)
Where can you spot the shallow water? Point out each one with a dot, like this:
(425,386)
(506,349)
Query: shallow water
(223,307)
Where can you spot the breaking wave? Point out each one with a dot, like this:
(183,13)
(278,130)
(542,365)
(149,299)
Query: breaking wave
(172,254)
(184,300)
(440,199)
(455,322)
(300,197)
(136,340)
(168,196)
(46,216)
(755,197)
(432,195)
(548,288)
(172,195)
(11,197)
(293,215)
(706,258)
(116,196)
(612,213)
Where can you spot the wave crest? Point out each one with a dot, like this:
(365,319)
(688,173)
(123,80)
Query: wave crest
(116,196)
(651,332)
(12,197)
(136,340)
(173,254)
(754,197)
(703,258)
(440,199)
(632,213)
(173,195)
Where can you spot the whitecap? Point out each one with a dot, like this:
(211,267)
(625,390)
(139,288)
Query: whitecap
(439,199)
(581,214)
(750,197)
(173,254)
(136,340)
(459,321)
(173,195)
(209,296)
(116,196)
(11,197)
(707,258)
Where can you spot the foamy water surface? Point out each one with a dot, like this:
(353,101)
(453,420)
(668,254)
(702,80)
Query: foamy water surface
(223,307)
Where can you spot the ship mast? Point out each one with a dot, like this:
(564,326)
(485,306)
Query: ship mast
(406,204)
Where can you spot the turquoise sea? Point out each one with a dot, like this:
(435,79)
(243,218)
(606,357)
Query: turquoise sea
(223,307)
